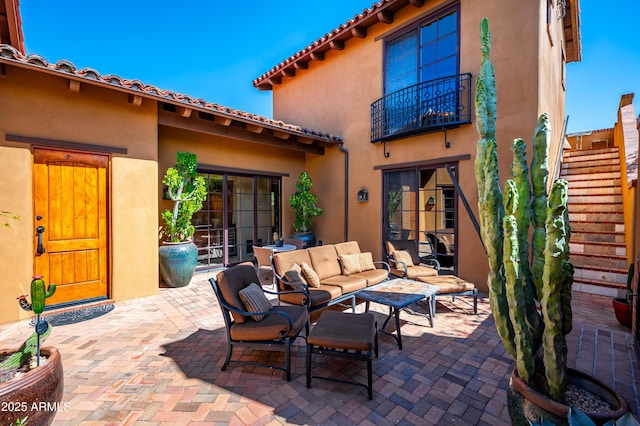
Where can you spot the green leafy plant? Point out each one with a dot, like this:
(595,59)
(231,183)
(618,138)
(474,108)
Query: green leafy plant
(518,281)
(304,205)
(188,191)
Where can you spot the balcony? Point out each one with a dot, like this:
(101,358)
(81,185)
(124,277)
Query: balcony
(426,107)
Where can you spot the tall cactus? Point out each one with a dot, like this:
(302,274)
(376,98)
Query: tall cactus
(517,279)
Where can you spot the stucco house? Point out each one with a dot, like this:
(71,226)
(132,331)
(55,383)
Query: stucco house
(82,154)
(397,83)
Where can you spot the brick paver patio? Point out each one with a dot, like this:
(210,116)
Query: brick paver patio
(156,360)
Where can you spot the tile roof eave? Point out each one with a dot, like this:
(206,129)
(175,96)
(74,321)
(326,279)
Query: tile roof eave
(380,11)
(66,69)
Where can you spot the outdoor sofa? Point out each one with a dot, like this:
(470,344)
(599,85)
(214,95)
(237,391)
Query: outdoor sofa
(337,272)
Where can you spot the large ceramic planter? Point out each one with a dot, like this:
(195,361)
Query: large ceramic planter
(622,309)
(178,262)
(308,238)
(36,394)
(526,404)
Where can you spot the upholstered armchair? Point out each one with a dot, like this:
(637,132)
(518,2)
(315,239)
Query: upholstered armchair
(405,261)
(250,319)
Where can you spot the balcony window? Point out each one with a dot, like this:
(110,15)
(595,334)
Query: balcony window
(423,88)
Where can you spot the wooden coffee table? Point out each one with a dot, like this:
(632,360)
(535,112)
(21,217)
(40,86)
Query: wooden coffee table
(397,294)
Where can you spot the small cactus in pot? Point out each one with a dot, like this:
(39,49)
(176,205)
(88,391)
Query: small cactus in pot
(529,288)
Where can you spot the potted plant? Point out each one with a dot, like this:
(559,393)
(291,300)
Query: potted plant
(519,283)
(305,209)
(31,388)
(622,305)
(178,254)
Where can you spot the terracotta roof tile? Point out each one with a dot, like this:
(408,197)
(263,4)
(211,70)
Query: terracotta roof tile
(367,18)
(10,54)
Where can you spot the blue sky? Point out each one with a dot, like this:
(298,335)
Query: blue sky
(214,50)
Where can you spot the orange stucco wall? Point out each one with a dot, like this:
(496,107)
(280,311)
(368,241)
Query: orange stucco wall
(37,105)
(335,95)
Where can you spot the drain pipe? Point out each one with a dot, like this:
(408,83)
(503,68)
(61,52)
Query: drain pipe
(346,190)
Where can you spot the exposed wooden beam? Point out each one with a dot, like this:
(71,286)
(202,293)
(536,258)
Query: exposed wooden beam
(281,135)
(359,32)
(301,65)
(265,86)
(317,56)
(74,86)
(166,118)
(275,80)
(223,121)
(254,128)
(337,44)
(289,72)
(135,100)
(417,3)
(385,17)
(306,141)
(183,111)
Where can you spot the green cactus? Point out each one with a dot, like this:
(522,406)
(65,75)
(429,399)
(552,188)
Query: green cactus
(39,294)
(516,280)
(28,349)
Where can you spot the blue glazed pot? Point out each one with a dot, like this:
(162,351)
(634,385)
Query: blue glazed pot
(307,237)
(178,262)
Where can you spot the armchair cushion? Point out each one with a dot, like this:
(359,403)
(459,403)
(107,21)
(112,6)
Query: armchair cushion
(403,256)
(254,300)
(310,275)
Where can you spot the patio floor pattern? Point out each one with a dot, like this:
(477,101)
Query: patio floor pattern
(156,361)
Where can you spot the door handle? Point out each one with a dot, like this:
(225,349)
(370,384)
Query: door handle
(40,249)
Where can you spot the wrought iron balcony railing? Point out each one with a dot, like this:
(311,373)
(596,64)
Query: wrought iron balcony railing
(429,106)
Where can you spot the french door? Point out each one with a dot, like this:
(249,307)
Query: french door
(420,204)
(240,211)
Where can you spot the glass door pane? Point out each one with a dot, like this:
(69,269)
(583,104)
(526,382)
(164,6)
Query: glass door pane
(238,211)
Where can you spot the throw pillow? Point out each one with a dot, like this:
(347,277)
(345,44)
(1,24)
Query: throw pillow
(254,300)
(350,263)
(295,280)
(310,275)
(402,256)
(366,261)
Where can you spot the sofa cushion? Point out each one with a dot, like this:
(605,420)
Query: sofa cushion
(324,261)
(373,276)
(350,263)
(346,283)
(366,261)
(283,261)
(254,300)
(318,295)
(403,256)
(310,275)
(295,280)
(349,247)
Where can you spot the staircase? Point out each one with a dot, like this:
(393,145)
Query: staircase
(598,250)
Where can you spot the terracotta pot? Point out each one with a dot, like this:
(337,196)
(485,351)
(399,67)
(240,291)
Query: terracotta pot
(622,309)
(526,404)
(36,394)
(178,262)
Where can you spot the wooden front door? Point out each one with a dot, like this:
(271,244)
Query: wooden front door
(70,209)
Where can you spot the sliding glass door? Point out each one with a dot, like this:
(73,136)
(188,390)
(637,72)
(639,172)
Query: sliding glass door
(421,205)
(239,211)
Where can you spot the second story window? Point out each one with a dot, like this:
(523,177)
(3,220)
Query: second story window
(423,89)
(426,53)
